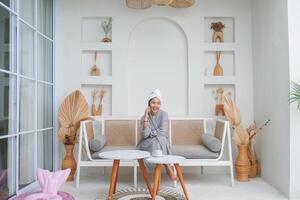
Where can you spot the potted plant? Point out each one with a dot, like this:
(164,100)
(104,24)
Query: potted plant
(73,110)
(295,94)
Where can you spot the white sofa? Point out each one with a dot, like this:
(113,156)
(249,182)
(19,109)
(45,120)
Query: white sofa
(184,135)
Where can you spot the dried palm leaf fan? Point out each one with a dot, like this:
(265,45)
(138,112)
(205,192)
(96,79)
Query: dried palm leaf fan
(73,110)
(139,4)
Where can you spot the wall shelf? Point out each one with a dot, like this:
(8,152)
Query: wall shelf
(227,62)
(97,80)
(218,80)
(91,29)
(84,46)
(103,62)
(214,46)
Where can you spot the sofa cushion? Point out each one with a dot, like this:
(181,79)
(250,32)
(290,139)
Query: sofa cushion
(211,142)
(193,152)
(112,148)
(97,144)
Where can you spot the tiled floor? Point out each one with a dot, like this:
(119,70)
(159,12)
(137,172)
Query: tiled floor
(202,187)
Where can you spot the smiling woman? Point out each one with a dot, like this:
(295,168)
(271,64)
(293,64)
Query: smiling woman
(154,125)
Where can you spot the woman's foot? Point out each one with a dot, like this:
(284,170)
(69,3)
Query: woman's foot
(170,173)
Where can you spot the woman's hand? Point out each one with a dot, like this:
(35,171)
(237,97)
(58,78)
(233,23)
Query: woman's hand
(146,113)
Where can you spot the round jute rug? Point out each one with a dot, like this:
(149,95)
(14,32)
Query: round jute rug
(143,194)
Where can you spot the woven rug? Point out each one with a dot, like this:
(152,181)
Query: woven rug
(143,194)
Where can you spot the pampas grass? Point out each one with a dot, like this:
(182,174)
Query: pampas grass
(240,134)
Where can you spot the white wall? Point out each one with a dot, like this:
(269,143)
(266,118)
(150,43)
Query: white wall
(271,86)
(190,21)
(294,41)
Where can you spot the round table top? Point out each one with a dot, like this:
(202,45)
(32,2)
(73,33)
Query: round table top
(124,154)
(166,159)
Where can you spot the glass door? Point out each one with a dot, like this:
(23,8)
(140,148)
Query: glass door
(26,92)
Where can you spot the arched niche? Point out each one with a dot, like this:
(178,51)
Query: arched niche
(158,58)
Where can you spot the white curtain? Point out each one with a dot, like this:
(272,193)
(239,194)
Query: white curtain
(27,118)
(28,88)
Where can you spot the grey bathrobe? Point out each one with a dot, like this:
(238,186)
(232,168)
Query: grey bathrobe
(155,135)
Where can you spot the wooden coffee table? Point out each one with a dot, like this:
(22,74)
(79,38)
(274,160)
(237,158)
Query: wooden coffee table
(118,155)
(166,159)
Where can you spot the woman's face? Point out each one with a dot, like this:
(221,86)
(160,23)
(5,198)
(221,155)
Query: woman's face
(154,105)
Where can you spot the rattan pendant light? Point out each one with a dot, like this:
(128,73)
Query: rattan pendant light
(139,4)
(182,3)
(143,4)
(161,2)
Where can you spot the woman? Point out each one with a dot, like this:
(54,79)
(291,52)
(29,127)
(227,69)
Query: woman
(154,125)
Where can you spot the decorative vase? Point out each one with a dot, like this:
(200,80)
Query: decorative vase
(218,36)
(219,110)
(69,161)
(218,70)
(253,161)
(242,163)
(106,39)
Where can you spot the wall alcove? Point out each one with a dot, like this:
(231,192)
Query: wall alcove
(158,58)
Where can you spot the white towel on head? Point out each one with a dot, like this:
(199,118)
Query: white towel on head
(156,93)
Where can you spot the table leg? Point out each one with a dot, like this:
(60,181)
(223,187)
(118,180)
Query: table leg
(113,178)
(157,174)
(145,174)
(180,177)
(116,179)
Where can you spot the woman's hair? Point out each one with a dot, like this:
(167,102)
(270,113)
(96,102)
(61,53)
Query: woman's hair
(150,101)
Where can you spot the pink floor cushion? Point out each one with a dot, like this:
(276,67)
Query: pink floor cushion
(63,195)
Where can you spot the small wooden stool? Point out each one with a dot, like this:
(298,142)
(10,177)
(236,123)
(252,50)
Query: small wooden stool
(166,159)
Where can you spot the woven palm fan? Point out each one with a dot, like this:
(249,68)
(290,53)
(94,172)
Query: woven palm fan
(232,113)
(73,109)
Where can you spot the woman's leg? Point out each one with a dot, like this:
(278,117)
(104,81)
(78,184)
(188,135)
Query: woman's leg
(170,173)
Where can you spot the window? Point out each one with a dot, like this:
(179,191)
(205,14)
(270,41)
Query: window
(26,92)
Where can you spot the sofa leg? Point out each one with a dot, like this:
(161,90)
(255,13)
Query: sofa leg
(175,173)
(77,176)
(135,176)
(231,175)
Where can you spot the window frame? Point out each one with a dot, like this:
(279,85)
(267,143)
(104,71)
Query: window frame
(14,11)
